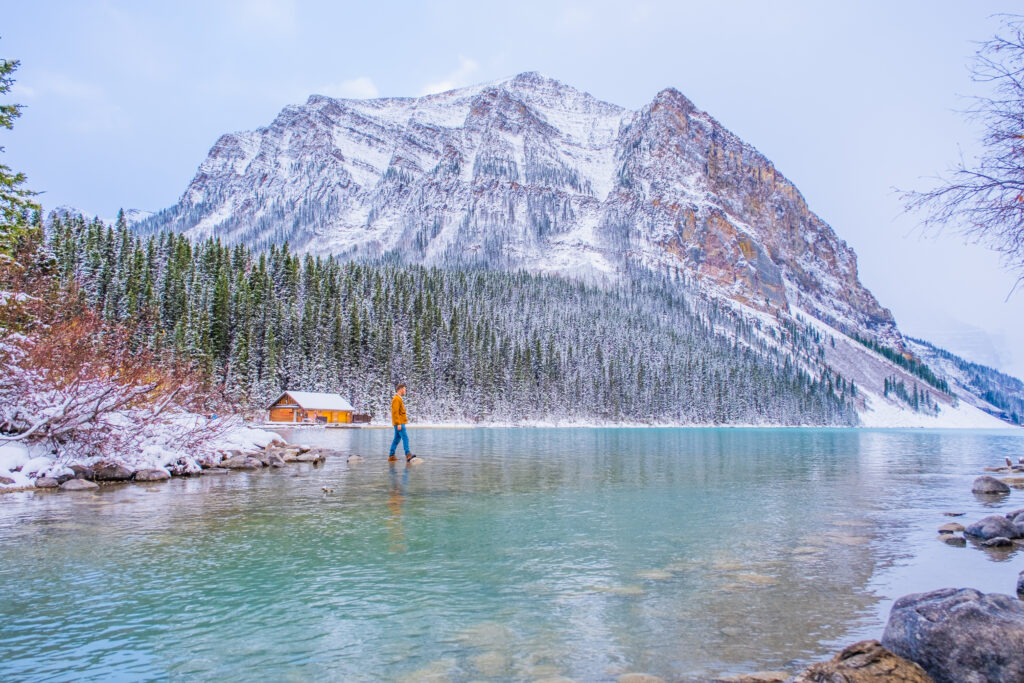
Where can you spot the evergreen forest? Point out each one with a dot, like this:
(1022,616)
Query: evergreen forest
(473,345)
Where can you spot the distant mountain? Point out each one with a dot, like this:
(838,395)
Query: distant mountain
(530,173)
(986,388)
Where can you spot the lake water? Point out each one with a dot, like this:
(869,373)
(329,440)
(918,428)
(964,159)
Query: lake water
(510,554)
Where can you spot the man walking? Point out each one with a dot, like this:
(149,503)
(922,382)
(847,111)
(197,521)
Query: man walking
(399,421)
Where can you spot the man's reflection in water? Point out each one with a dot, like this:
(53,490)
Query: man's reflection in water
(396,497)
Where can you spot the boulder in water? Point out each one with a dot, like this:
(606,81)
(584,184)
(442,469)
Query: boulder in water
(992,526)
(988,485)
(959,634)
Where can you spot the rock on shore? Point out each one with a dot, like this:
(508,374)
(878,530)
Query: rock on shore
(864,662)
(960,635)
(78,485)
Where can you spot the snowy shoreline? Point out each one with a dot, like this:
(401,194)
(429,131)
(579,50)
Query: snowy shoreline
(21,467)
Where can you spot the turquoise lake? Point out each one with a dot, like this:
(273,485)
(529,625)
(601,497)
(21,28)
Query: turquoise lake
(510,554)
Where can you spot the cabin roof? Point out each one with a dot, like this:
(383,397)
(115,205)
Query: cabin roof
(309,400)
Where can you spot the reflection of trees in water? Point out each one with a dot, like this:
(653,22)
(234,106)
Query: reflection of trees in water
(396,498)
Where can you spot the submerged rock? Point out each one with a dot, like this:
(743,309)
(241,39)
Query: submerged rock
(78,485)
(988,485)
(992,527)
(111,471)
(47,483)
(959,634)
(953,539)
(355,459)
(863,662)
(152,475)
(756,677)
(951,528)
(314,457)
(954,514)
(639,678)
(997,542)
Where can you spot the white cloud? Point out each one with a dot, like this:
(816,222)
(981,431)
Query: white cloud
(456,79)
(361,88)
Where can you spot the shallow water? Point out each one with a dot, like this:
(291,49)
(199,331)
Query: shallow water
(510,554)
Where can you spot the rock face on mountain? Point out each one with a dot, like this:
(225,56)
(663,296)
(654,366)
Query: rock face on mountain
(530,173)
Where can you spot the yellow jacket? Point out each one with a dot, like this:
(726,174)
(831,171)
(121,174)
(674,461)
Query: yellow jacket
(398,416)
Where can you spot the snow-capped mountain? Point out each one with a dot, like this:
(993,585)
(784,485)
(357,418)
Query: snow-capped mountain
(530,173)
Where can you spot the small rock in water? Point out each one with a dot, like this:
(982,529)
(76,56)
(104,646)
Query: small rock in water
(953,539)
(47,483)
(989,485)
(78,485)
(416,460)
(1014,482)
(867,660)
(152,475)
(353,459)
(997,542)
(954,514)
(951,528)
(1012,516)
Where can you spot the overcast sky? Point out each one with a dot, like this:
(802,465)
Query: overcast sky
(849,100)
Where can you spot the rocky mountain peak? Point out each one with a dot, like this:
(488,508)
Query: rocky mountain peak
(527,172)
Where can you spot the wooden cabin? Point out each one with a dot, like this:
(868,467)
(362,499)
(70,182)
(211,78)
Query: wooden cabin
(307,407)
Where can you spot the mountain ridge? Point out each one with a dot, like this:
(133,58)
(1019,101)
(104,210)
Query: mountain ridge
(527,172)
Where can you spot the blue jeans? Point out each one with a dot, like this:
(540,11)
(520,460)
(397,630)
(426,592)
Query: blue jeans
(401,434)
